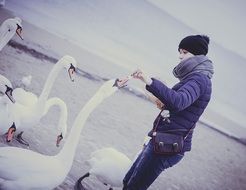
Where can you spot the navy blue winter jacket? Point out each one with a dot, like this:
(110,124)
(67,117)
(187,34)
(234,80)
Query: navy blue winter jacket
(186,102)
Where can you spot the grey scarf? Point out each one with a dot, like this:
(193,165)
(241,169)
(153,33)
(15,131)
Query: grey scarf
(196,64)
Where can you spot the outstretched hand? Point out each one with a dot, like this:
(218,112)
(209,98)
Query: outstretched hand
(139,74)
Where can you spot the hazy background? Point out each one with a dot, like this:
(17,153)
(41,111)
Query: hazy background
(111,39)
(146,33)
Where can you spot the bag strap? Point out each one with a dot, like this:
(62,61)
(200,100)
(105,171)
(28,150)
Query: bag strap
(158,121)
(189,131)
(158,118)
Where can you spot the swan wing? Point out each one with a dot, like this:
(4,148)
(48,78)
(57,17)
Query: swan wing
(111,163)
(111,171)
(23,97)
(109,153)
(109,166)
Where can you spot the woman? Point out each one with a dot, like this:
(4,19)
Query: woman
(186,102)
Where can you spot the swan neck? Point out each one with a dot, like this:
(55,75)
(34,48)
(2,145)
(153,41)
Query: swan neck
(49,82)
(68,151)
(62,125)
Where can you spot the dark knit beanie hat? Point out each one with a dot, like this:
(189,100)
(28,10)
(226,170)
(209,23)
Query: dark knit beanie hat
(197,44)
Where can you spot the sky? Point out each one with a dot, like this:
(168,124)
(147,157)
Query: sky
(220,19)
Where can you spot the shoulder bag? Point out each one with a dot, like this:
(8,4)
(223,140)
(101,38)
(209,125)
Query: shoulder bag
(167,143)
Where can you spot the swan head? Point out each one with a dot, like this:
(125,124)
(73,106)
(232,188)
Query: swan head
(18,30)
(109,87)
(6,88)
(61,135)
(14,24)
(11,132)
(120,83)
(70,64)
(58,140)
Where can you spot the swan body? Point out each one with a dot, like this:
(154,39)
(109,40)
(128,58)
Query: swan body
(31,170)
(29,108)
(27,100)
(109,166)
(8,29)
(23,173)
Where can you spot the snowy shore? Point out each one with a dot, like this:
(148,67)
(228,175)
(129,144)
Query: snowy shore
(215,162)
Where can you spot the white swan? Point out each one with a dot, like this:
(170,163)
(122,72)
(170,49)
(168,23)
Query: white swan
(8,29)
(109,166)
(6,99)
(29,108)
(31,170)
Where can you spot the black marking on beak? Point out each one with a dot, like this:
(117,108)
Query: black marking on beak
(71,70)
(72,67)
(118,85)
(19,27)
(59,138)
(9,93)
(18,31)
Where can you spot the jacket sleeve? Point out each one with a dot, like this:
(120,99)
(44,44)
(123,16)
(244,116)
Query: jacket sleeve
(176,100)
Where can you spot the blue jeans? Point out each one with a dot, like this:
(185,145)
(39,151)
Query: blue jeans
(147,167)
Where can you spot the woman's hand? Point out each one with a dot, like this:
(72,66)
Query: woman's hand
(139,74)
(159,104)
